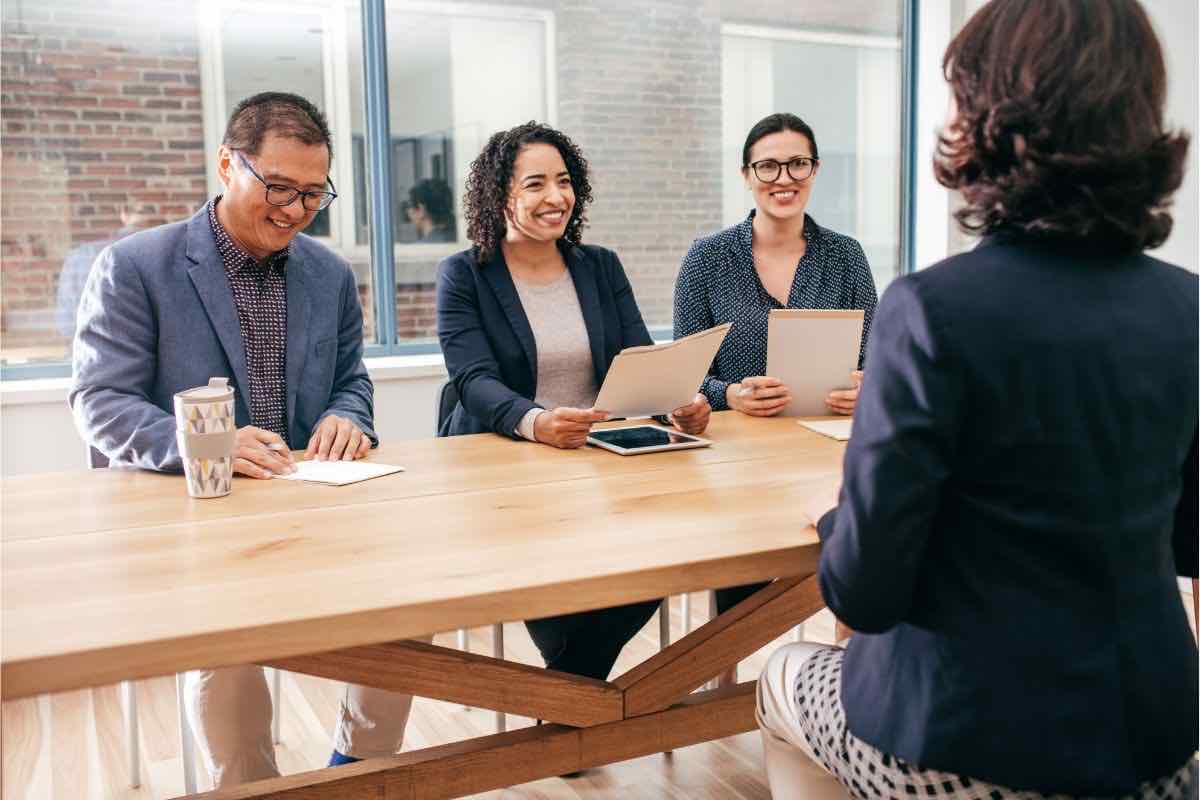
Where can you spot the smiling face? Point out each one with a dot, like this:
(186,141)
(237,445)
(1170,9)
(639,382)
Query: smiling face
(540,196)
(259,227)
(786,198)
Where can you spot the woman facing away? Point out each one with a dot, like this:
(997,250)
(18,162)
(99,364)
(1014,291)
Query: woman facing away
(1020,492)
(778,257)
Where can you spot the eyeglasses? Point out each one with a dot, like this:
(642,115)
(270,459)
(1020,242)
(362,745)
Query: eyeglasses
(800,168)
(280,195)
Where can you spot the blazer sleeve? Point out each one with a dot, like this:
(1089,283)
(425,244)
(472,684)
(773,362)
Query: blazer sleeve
(353,395)
(633,328)
(1187,522)
(693,314)
(468,353)
(905,429)
(115,362)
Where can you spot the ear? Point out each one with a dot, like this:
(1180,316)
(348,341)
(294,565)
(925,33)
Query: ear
(746,177)
(225,166)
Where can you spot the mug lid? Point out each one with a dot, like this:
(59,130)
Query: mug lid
(217,389)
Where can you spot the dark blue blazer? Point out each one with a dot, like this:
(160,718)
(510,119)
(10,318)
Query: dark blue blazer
(1020,494)
(489,347)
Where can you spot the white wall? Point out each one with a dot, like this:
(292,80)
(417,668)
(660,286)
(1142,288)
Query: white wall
(37,433)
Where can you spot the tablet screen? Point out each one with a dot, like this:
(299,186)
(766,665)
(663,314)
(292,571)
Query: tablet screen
(644,436)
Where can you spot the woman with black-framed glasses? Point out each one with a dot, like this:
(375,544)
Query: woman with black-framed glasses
(778,257)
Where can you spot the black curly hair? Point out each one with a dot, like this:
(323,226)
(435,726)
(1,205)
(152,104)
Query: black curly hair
(491,173)
(1059,125)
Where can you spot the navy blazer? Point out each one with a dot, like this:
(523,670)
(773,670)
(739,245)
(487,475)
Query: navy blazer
(157,317)
(489,347)
(1019,495)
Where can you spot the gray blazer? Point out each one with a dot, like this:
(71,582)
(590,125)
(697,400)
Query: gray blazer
(157,317)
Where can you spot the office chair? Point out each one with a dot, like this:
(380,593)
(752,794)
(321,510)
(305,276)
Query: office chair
(187,743)
(447,399)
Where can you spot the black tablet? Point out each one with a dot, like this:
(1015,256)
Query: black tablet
(639,439)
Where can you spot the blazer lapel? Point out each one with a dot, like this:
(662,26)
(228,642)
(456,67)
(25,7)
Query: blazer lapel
(498,277)
(297,328)
(208,276)
(588,293)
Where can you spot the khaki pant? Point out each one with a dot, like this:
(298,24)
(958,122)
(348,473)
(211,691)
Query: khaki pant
(229,710)
(792,771)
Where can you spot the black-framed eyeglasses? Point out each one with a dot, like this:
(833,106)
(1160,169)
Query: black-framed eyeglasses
(800,168)
(280,195)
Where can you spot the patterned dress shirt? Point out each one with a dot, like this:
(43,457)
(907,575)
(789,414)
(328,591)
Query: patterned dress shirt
(260,296)
(718,283)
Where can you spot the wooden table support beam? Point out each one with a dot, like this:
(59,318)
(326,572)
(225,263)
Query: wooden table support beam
(672,673)
(471,679)
(506,759)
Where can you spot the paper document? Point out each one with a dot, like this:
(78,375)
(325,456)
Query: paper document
(813,353)
(833,428)
(659,378)
(339,473)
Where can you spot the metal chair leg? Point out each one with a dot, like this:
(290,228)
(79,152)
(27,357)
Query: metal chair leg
(187,744)
(464,644)
(686,610)
(664,624)
(132,740)
(498,652)
(715,683)
(277,705)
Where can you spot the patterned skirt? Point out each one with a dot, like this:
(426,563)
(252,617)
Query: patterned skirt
(869,774)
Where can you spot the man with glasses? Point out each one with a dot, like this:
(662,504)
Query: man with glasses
(235,291)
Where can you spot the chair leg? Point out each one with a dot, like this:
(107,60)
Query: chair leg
(498,652)
(464,644)
(664,624)
(187,744)
(132,743)
(685,608)
(276,705)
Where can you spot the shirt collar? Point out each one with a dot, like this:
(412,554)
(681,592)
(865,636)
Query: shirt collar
(234,257)
(745,232)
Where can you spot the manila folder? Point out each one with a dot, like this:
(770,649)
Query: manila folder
(813,353)
(659,378)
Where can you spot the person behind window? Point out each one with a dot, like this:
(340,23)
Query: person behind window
(78,263)
(1020,491)
(430,209)
(529,320)
(237,291)
(778,257)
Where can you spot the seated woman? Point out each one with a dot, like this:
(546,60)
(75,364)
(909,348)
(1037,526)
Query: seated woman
(529,321)
(1021,488)
(778,257)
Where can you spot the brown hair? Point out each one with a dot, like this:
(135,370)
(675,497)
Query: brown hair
(1059,131)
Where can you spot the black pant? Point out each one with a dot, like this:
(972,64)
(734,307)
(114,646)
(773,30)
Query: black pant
(728,598)
(589,642)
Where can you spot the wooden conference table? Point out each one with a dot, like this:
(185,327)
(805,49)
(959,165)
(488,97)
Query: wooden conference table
(117,574)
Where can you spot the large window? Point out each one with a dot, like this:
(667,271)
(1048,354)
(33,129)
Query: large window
(113,111)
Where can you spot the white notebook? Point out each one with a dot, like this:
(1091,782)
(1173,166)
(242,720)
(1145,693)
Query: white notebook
(659,378)
(339,473)
(813,353)
(833,428)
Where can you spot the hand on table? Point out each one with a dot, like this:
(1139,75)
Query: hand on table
(842,401)
(260,454)
(820,500)
(566,427)
(337,439)
(692,418)
(758,396)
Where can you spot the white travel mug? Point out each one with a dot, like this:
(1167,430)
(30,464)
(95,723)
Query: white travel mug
(205,429)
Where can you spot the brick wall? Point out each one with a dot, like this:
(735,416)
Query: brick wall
(99,109)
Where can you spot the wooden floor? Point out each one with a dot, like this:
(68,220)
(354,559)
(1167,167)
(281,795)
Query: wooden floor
(70,746)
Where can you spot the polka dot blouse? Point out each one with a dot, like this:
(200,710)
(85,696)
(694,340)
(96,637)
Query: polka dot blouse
(718,283)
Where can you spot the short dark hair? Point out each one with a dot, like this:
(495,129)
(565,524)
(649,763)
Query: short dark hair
(281,113)
(1059,125)
(490,175)
(436,198)
(775,123)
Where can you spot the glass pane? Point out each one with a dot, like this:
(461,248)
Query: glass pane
(103,135)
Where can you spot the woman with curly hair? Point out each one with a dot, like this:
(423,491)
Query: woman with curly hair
(529,320)
(1020,493)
